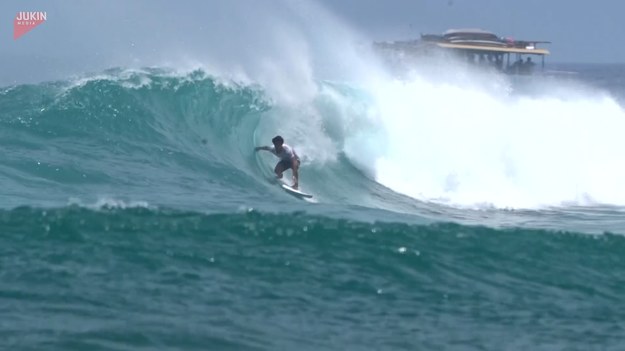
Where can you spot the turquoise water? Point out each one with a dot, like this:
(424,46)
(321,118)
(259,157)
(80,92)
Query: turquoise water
(136,216)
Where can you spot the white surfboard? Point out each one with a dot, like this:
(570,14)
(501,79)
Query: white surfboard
(295,192)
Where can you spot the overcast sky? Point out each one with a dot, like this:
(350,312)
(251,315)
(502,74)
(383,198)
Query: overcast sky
(92,35)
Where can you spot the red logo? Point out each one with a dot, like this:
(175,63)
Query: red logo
(24,22)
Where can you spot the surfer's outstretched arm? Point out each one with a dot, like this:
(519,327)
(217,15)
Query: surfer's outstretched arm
(266,148)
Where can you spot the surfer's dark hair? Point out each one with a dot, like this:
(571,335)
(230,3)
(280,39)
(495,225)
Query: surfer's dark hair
(277,140)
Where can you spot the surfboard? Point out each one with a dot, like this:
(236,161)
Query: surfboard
(295,192)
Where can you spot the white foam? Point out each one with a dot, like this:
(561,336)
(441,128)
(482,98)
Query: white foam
(109,202)
(468,145)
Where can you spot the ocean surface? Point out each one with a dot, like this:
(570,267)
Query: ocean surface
(472,211)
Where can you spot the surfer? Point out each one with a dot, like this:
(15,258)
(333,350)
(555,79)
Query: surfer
(288,158)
